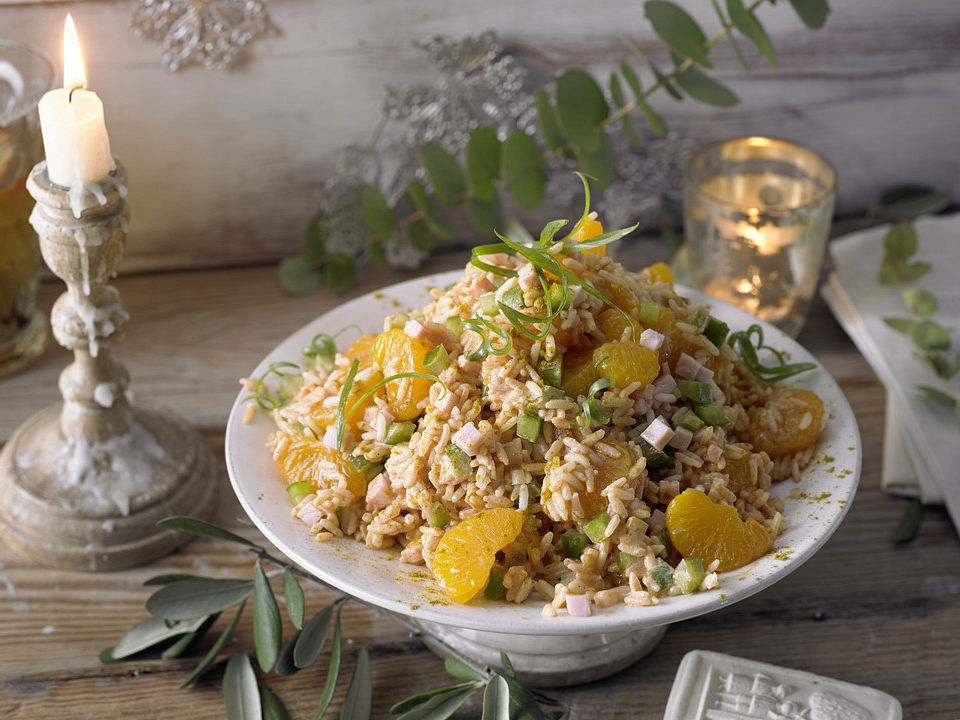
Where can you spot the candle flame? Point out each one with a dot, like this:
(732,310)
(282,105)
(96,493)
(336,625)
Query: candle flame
(74,75)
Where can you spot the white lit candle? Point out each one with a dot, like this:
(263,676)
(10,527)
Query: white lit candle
(71,119)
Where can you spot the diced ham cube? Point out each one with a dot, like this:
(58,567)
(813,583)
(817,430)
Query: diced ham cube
(527,277)
(687,367)
(681,439)
(469,439)
(330,437)
(658,433)
(651,338)
(412,553)
(446,404)
(718,397)
(431,332)
(514,450)
(658,521)
(579,605)
(704,374)
(307,513)
(664,384)
(379,492)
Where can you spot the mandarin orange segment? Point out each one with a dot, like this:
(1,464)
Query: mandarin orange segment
(700,528)
(590,228)
(659,273)
(362,349)
(396,352)
(786,421)
(319,465)
(607,469)
(466,552)
(675,342)
(578,374)
(612,323)
(627,362)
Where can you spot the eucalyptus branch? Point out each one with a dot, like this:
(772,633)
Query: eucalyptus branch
(573,121)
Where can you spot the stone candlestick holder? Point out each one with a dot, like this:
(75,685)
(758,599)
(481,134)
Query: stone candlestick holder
(82,484)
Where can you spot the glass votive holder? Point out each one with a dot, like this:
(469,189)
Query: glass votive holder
(25,75)
(757,214)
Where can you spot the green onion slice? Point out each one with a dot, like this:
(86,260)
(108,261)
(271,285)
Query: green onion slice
(746,347)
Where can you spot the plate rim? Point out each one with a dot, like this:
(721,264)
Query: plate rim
(618,618)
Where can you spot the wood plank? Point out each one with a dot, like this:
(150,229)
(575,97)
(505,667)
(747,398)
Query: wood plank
(227,167)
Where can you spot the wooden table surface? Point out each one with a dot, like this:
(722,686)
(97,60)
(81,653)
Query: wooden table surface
(862,610)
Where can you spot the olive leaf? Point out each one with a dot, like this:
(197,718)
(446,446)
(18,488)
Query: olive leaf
(920,302)
(185,642)
(678,30)
(483,162)
(359,698)
(313,637)
(461,670)
(297,275)
(901,325)
(581,109)
(909,524)
(523,170)
(704,88)
(215,649)
(939,396)
(339,271)
(241,695)
(189,599)
(376,212)
(444,172)
(168,578)
(496,699)
(293,598)
(150,632)
(285,663)
(419,199)
(333,671)
(435,704)
(266,620)
(747,23)
(201,527)
(271,707)
(813,13)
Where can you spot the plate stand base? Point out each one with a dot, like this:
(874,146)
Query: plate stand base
(543,660)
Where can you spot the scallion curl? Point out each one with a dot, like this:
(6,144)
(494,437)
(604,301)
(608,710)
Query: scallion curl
(746,347)
(265,400)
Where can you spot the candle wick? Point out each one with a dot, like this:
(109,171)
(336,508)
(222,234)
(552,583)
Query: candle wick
(72,91)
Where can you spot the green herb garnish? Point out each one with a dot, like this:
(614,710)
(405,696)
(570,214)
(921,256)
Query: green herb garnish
(265,400)
(746,346)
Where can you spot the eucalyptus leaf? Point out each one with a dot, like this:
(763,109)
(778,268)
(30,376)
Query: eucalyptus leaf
(483,162)
(704,88)
(314,243)
(168,578)
(904,202)
(460,670)
(333,672)
(420,200)
(376,255)
(664,81)
(581,108)
(920,302)
(215,649)
(654,120)
(900,241)
(901,325)
(507,666)
(444,172)
(547,117)
(439,705)
(524,170)
(185,642)
(150,632)
(106,657)
(731,36)
(285,663)
(266,620)
(944,367)
(909,524)
(939,396)
(672,238)
(913,271)
(930,336)
(678,30)
(293,598)
(813,13)
(241,695)
(190,599)
(747,23)
(201,527)
(297,275)
(358,701)
(616,92)
(420,236)
(376,212)
(272,708)
(338,272)
(602,164)
(485,215)
(312,638)
(496,699)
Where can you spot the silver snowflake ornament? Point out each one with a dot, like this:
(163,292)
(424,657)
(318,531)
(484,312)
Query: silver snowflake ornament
(212,33)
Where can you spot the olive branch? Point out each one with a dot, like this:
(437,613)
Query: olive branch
(573,118)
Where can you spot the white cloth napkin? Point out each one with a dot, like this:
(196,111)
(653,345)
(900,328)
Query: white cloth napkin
(922,438)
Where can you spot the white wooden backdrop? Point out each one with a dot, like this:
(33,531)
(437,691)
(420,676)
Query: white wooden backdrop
(227,167)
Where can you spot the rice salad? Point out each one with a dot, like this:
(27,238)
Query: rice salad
(550,425)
